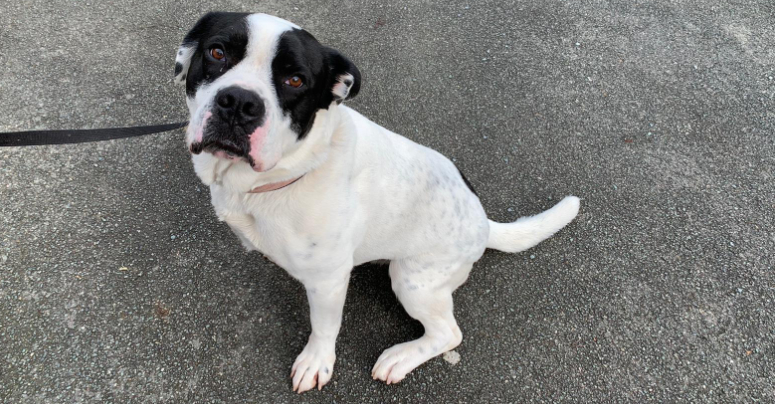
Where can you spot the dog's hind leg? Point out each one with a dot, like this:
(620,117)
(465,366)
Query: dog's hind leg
(426,294)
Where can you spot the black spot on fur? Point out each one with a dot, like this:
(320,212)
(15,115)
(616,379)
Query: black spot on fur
(178,68)
(468,183)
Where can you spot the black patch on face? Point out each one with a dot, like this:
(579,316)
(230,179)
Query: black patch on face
(226,31)
(300,54)
(468,183)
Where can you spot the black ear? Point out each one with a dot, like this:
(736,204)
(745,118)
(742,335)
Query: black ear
(346,78)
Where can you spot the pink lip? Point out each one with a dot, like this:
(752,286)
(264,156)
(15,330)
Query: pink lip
(200,131)
(257,141)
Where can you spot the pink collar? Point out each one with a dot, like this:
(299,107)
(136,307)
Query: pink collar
(274,186)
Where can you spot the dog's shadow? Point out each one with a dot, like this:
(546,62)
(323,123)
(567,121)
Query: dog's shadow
(374,319)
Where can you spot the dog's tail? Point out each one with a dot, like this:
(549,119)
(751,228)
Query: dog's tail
(530,230)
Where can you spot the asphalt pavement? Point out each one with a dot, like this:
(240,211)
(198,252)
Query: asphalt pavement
(118,284)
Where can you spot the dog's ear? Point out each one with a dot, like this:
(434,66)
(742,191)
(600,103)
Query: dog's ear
(346,78)
(183,61)
(188,47)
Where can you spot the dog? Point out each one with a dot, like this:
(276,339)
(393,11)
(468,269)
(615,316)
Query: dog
(318,188)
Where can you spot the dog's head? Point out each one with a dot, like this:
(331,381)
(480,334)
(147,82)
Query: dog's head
(255,84)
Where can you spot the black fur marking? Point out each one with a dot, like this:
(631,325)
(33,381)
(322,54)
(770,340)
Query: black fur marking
(178,68)
(228,31)
(300,54)
(468,183)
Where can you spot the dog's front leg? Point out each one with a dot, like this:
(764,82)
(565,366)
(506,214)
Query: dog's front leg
(315,364)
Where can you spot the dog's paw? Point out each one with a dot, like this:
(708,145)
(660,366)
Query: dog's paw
(396,362)
(314,366)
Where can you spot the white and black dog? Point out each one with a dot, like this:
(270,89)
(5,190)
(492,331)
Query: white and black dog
(318,188)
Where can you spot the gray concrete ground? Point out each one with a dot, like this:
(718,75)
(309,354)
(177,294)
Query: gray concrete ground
(118,284)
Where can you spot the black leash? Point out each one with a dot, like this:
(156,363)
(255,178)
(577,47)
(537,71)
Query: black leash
(44,137)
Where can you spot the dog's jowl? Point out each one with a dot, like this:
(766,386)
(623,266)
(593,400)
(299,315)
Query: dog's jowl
(318,188)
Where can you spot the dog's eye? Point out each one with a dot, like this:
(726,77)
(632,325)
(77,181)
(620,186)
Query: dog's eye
(294,82)
(217,53)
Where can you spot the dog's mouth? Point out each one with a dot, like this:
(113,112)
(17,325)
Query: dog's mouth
(223,149)
(217,145)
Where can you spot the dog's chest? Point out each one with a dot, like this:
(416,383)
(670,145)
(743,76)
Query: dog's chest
(296,233)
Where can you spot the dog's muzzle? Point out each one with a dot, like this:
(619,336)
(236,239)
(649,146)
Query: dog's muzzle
(237,114)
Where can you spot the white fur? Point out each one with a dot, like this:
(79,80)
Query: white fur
(342,88)
(531,230)
(366,194)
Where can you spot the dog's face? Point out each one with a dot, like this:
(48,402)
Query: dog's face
(254,85)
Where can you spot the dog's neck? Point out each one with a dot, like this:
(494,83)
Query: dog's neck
(314,150)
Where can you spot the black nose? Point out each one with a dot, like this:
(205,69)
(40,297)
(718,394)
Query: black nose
(238,105)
